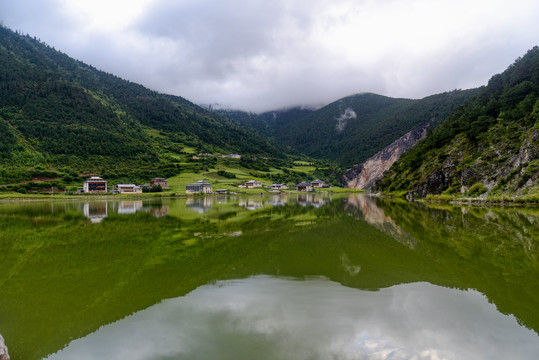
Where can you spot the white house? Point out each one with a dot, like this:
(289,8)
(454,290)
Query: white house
(129,189)
(200,186)
(95,184)
(279,187)
(252,184)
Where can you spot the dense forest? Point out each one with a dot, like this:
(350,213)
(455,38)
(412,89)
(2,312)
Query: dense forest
(489,145)
(352,129)
(61,117)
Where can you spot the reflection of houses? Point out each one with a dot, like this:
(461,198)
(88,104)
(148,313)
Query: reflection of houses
(200,187)
(250,204)
(95,211)
(319,201)
(129,207)
(305,199)
(312,199)
(159,211)
(319,184)
(129,189)
(95,184)
(159,182)
(278,200)
(279,187)
(199,204)
(304,186)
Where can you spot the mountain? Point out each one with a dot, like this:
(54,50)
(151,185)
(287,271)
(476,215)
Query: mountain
(269,124)
(350,130)
(488,146)
(58,114)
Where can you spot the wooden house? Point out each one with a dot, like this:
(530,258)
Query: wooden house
(304,186)
(252,184)
(319,184)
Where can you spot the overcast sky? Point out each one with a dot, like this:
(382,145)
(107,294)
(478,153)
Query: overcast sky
(269,54)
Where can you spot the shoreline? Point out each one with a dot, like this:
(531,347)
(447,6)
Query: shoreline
(12,196)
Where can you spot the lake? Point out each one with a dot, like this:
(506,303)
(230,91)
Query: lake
(296,276)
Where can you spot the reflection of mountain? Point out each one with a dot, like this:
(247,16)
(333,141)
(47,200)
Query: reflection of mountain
(96,275)
(377,218)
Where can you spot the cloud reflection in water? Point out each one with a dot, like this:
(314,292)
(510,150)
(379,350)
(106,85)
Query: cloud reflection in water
(275,318)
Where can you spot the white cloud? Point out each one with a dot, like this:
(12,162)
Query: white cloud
(261,55)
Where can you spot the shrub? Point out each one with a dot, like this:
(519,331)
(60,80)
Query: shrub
(477,189)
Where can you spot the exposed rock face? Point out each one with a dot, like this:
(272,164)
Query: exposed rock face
(3,350)
(489,172)
(365,175)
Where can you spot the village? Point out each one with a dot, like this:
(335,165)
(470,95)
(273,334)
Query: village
(96,184)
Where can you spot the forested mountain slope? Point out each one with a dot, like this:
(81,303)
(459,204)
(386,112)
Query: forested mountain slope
(488,146)
(56,112)
(352,129)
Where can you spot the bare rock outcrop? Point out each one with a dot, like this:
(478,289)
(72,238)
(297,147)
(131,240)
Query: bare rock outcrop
(3,349)
(365,175)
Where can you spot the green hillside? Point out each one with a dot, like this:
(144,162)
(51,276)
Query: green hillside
(59,117)
(351,129)
(488,147)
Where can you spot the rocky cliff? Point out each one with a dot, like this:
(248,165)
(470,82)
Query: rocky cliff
(3,350)
(365,175)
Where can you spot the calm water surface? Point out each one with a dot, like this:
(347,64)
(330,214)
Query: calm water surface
(280,277)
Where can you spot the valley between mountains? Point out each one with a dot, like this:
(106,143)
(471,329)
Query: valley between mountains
(62,121)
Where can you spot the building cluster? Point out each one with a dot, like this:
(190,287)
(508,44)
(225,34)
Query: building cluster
(204,187)
(95,184)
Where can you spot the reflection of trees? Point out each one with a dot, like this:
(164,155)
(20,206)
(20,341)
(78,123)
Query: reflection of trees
(97,272)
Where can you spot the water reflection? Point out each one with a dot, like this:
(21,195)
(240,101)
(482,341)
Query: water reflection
(200,205)
(313,199)
(98,274)
(276,318)
(129,207)
(251,203)
(364,207)
(95,211)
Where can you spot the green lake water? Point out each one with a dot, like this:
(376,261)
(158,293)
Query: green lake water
(311,276)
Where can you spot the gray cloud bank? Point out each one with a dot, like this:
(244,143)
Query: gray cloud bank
(262,55)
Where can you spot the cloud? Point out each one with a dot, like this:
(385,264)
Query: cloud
(262,55)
